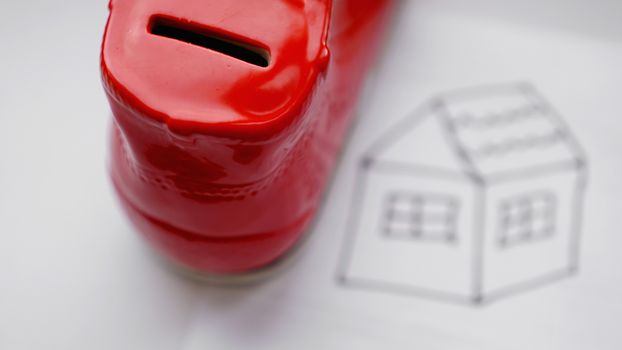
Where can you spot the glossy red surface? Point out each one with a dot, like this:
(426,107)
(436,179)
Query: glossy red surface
(219,163)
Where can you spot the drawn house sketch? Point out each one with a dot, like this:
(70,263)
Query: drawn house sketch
(476,195)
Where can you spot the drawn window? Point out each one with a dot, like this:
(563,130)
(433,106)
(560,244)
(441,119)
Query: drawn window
(527,218)
(420,216)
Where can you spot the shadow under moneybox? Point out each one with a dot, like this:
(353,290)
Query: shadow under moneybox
(242,309)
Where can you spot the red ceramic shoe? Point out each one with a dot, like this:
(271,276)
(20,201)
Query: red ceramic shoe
(228,116)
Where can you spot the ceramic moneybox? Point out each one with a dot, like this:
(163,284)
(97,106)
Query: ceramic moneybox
(228,118)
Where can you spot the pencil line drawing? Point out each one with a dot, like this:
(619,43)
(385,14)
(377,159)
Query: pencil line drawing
(476,195)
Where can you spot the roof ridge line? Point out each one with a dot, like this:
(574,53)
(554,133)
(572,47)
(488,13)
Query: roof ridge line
(551,113)
(398,129)
(442,112)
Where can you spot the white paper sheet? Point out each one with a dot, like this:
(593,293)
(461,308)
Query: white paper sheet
(74,275)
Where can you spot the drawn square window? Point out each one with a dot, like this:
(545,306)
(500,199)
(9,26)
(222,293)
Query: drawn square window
(527,217)
(420,216)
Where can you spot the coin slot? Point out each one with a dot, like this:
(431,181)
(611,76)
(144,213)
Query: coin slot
(203,37)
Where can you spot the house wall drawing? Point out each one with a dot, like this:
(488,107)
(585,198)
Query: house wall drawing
(476,195)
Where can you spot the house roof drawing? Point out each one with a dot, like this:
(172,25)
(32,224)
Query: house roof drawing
(486,133)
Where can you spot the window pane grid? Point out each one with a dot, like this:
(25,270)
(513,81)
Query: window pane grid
(419,216)
(526,218)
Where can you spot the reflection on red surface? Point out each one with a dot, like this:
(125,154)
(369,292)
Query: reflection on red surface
(221,163)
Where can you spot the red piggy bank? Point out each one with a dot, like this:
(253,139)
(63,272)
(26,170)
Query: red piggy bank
(228,118)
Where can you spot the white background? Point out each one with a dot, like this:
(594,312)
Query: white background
(73,275)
